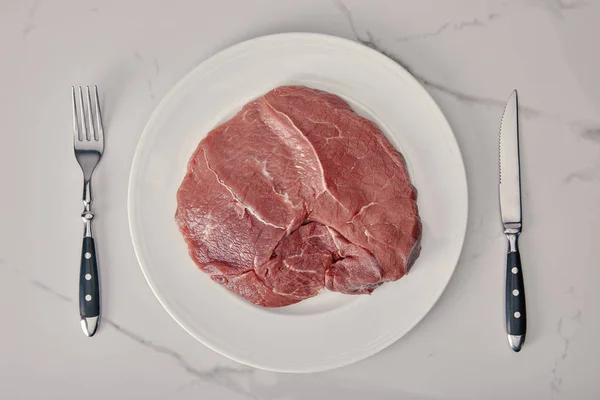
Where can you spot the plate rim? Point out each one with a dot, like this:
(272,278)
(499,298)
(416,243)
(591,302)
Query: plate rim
(158,111)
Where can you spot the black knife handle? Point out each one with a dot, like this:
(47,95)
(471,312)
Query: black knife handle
(516,313)
(89,288)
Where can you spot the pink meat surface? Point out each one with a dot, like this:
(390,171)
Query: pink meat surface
(295,193)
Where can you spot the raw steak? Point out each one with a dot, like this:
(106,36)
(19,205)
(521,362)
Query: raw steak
(295,193)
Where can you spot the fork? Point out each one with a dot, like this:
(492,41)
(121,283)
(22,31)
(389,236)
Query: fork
(88,141)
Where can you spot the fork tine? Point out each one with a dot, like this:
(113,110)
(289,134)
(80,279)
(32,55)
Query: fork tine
(90,120)
(75,123)
(98,118)
(84,135)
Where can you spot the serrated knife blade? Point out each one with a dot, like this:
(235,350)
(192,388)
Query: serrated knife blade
(510,177)
(510,210)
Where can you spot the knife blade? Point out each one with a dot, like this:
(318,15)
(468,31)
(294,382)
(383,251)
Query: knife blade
(510,209)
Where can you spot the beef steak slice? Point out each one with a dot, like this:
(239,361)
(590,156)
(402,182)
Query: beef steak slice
(297,192)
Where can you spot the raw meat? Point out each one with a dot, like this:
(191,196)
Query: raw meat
(296,193)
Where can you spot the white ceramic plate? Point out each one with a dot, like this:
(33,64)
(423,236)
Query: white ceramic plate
(331,329)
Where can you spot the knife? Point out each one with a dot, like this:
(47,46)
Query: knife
(510,209)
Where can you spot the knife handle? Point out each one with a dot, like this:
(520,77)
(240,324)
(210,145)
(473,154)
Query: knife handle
(516,314)
(89,288)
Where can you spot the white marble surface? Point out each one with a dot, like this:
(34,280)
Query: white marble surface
(468,54)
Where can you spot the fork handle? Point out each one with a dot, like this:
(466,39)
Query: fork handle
(89,287)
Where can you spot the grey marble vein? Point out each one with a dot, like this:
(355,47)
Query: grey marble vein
(40,285)
(223,376)
(591,134)
(156,67)
(559,8)
(150,90)
(369,41)
(155,347)
(29,25)
(588,174)
(425,35)
(210,375)
(219,375)
(33,9)
(556,381)
(568,5)
(526,112)
(48,289)
(449,26)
